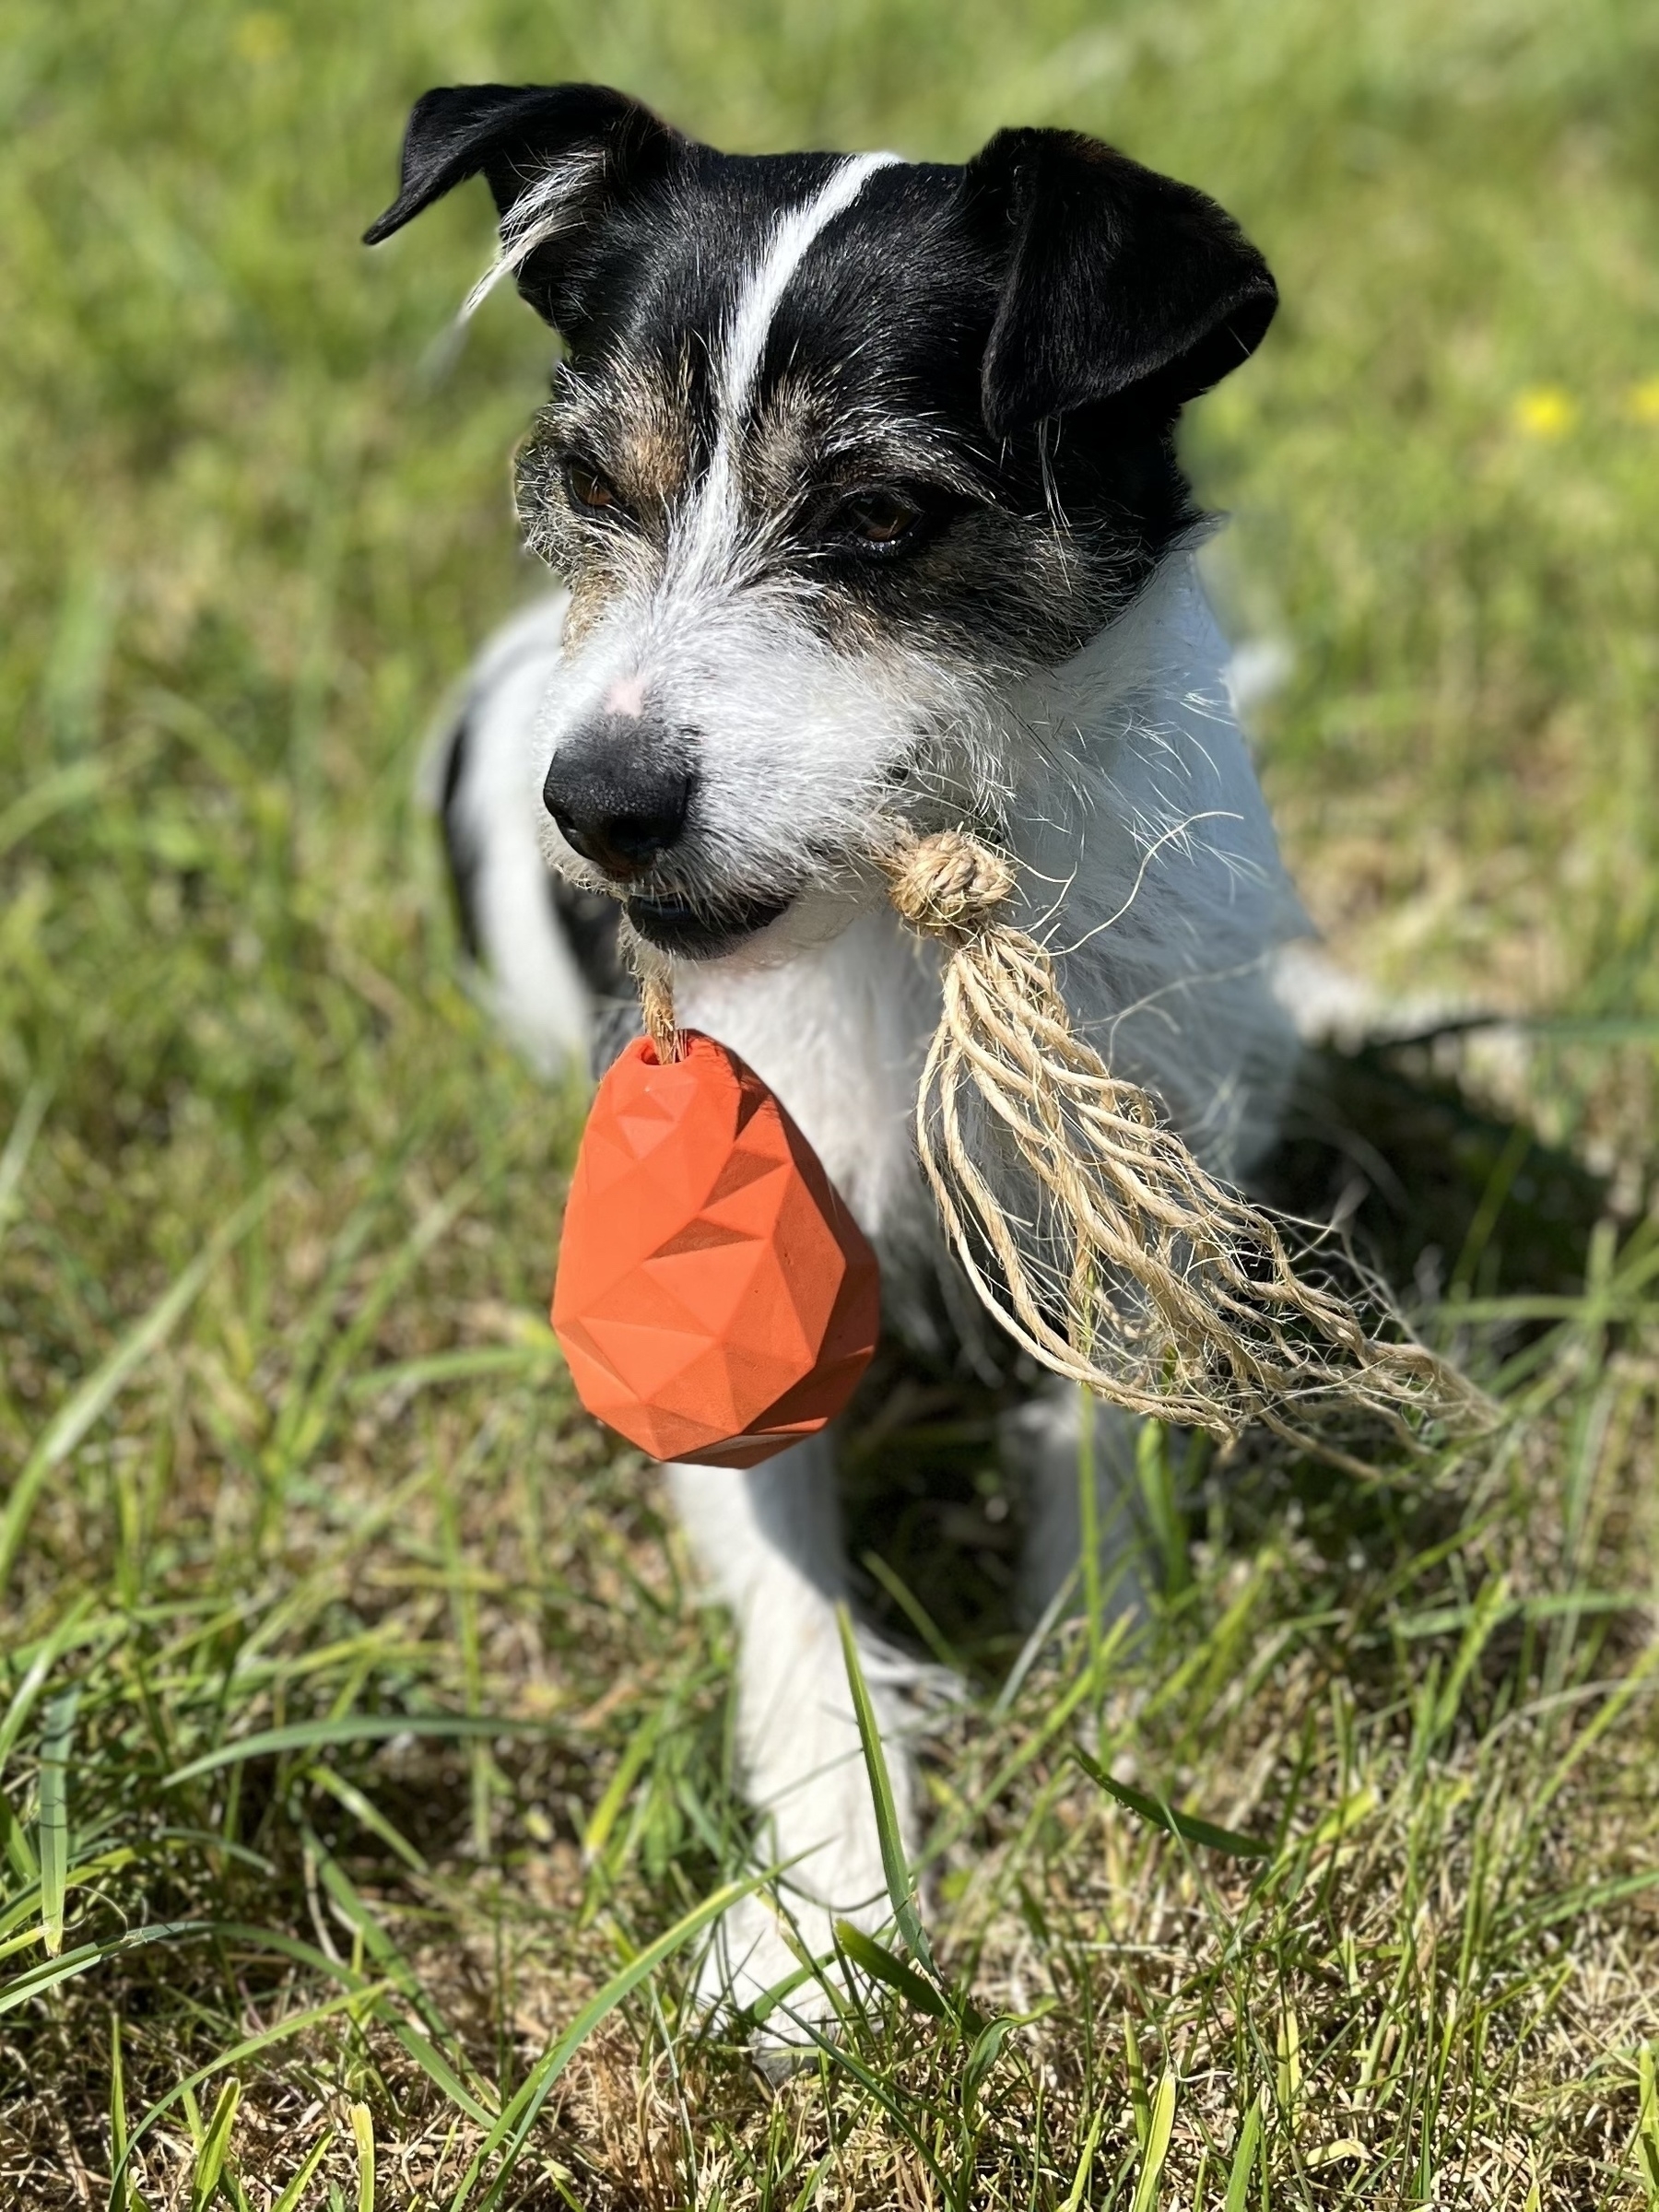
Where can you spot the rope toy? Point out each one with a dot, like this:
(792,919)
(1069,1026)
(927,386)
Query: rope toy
(1137,1272)
(1083,1223)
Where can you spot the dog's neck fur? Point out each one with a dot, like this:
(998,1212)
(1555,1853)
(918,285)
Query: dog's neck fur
(1151,869)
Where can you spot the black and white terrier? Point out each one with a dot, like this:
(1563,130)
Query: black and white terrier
(860,476)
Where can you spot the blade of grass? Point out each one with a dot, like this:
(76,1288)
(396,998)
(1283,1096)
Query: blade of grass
(1030,1651)
(1288,2072)
(290,2199)
(1089,1511)
(23,1987)
(390,1961)
(40,1668)
(1244,2159)
(512,2131)
(1140,2104)
(92,1397)
(439,2072)
(464,1614)
(636,1751)
(118,2118)
(1161,2127)
(914,1610)
(14,1842)
(349,1728)
(834,2051)
(311,1426)
(495,1361)
(27,1906)
(1187,1825)
(71,785)
(901,1883)
(314,1327)
(1025,1750)
(366,1814)
(864,1950)
(215,2143)
(987,2048)
(362,2128)
(19,1144)
(1647,2125)
(1155,1476)
(1488,1211)
(1626,1692)
(50,1971)
(55,1815)
(351,2001)
(1076,2195)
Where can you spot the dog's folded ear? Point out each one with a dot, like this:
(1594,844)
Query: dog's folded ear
(553,156)
(1116,280)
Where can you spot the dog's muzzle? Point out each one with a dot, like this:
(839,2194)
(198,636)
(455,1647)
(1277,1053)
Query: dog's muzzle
(622,790)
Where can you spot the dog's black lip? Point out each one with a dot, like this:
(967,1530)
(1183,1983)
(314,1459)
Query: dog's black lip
(701,931)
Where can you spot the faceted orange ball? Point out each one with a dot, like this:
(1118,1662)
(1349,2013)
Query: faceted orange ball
(715,1300)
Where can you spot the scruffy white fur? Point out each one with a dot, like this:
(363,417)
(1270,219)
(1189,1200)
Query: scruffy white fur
(1123,784)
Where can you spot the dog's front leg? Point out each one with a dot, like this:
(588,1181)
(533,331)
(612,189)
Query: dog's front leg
(768,1543)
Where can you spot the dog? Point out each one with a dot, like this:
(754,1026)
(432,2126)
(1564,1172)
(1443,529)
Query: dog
(859,477)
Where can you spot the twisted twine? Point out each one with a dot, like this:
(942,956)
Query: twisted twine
(1136,1271)
(654,980)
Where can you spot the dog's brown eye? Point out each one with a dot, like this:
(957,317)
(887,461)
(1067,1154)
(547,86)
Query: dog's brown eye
(588,489)
(880,518)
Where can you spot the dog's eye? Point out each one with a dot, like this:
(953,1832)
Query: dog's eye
(590,489)
(882,519)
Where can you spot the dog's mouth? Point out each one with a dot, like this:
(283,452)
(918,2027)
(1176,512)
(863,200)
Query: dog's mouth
(705,930)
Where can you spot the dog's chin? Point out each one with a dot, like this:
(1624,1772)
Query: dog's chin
(706,931)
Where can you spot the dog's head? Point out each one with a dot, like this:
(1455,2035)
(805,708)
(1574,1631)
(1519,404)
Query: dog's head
(838,449)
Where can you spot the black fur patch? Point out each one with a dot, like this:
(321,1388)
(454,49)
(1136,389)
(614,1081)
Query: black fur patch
(592,924)
(1005,344)
(459,847)
(589,922)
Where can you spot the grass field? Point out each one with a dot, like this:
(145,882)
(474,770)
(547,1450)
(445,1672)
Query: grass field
(359,1734)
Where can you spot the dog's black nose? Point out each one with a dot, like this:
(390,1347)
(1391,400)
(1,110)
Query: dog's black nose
(620,791)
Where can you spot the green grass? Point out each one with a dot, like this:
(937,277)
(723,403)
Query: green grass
(359,1734)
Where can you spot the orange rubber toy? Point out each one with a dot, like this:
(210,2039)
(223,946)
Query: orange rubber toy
(715,1300)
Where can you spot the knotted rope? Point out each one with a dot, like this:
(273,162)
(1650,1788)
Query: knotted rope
(656,1000)
(1083,1223)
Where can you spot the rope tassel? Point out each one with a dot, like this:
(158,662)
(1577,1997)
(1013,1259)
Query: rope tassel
(1123,1263)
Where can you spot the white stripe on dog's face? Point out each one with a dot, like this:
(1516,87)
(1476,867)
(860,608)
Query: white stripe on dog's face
(710,526)
(746,343)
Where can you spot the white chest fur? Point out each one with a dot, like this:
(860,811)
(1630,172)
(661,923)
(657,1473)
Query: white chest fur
(840,1031)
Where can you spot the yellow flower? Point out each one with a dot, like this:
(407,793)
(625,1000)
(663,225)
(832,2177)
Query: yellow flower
(1643,399)
(262,36)
(1545,412)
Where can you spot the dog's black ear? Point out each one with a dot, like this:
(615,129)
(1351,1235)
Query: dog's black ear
(1116,280)
(551,154)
